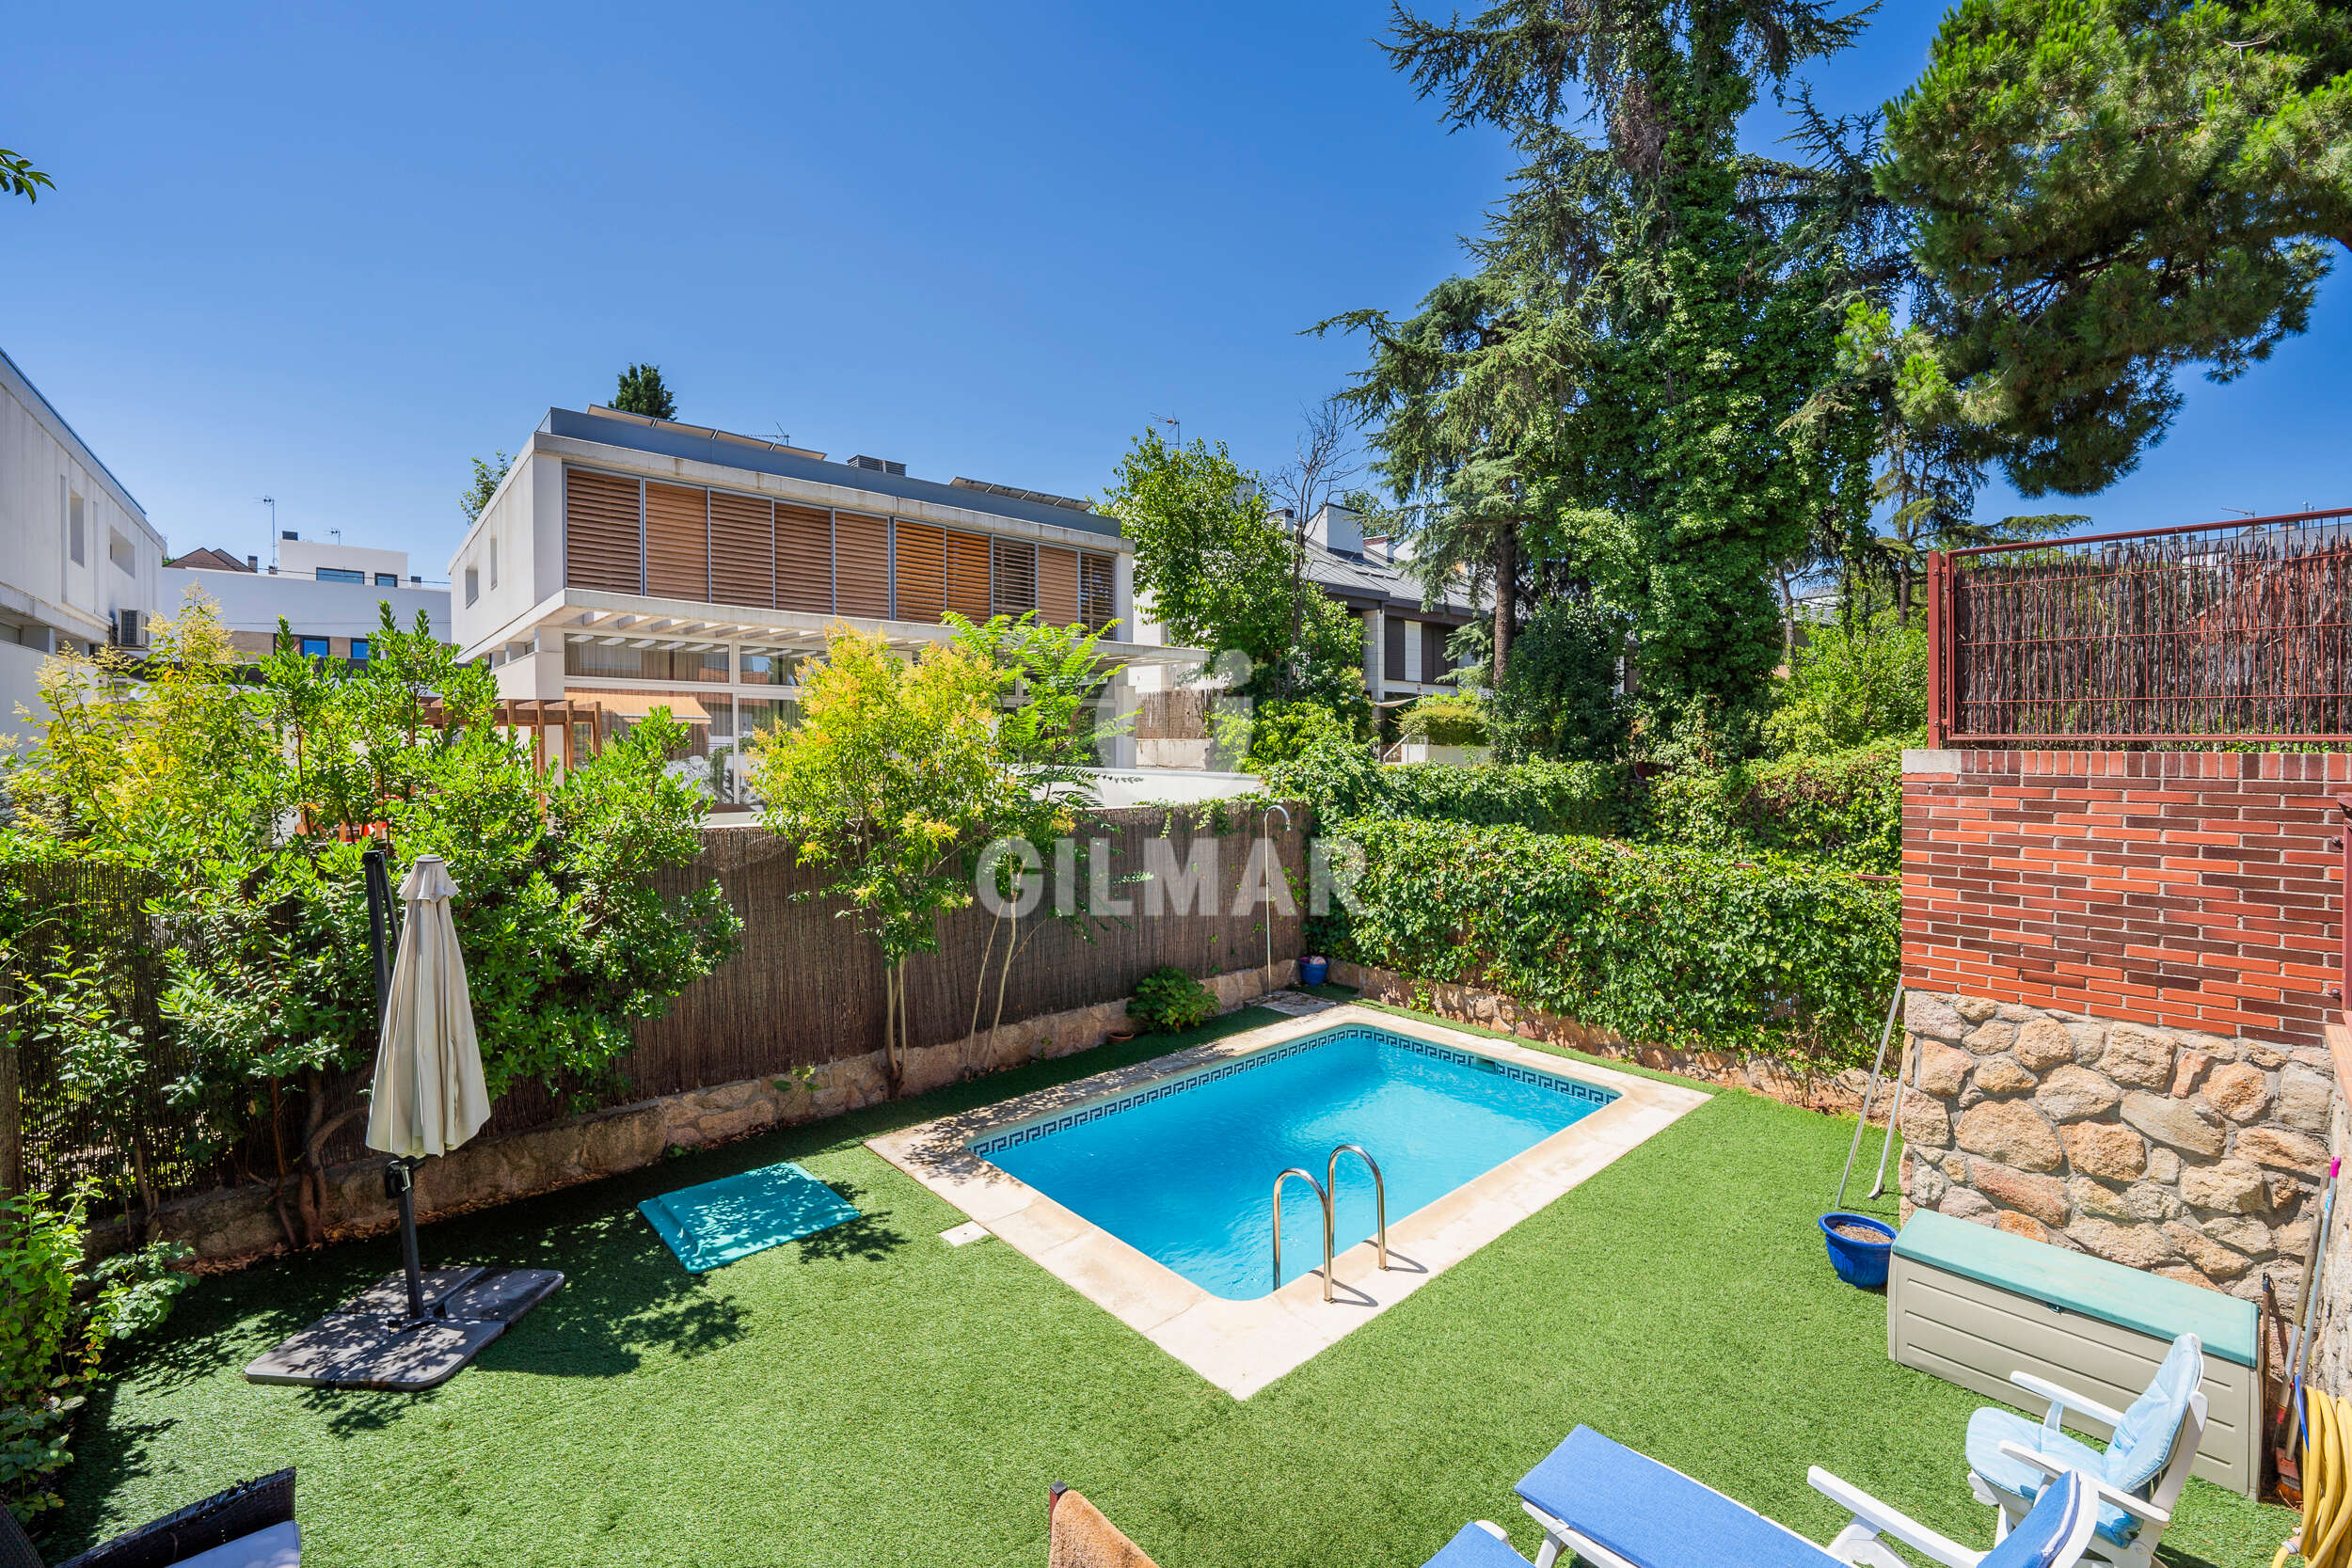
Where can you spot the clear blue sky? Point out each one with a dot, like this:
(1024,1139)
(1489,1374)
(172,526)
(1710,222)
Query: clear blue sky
(328,253)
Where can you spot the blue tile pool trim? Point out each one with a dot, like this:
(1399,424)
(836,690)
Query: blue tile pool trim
(1177,1084)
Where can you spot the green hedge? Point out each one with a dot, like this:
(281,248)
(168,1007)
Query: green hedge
(1548,797)
(1665,945)
(1846,807)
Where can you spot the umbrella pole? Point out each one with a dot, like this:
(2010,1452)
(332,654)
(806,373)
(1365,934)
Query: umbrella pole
(402,1176)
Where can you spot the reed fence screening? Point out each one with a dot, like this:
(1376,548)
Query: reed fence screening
(805,988)
(2215,634)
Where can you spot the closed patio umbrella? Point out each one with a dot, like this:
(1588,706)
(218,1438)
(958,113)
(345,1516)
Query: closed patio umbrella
(413,1331)
(428,1096)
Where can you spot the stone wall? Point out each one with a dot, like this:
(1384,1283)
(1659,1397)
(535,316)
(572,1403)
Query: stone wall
(239,1224)
(2191,1154)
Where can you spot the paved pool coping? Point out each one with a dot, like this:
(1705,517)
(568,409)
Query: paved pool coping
(1241,1346)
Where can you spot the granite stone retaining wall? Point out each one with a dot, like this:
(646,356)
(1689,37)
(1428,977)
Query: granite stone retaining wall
(2189,1154)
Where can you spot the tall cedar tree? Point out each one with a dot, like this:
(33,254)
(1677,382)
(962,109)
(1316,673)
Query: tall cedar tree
(642,392)
(2107,191)
(1617,385)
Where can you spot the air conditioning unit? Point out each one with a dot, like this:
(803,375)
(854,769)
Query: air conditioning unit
(130,629)
(878,465)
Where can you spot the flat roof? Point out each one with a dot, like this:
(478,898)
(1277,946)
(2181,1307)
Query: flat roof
(736,451)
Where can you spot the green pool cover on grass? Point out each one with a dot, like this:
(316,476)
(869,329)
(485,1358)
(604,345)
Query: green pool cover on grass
(737,1215)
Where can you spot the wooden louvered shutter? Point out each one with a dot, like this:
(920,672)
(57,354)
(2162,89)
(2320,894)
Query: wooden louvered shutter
(601,542)
(803,559)
(1057,586)
(861,566)
(677,542)
(743,550)
(921,583)
(1097,591)
(967,575)
(1013,580)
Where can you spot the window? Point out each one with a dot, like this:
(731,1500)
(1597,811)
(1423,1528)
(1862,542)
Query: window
(494,563)
(75,526)
(359,649)
(597,659)
(341,574)
(315,647)
(387,579)
(474,585)
(772,670)
(122,553)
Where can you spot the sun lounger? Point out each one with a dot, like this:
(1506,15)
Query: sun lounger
(1618,1509)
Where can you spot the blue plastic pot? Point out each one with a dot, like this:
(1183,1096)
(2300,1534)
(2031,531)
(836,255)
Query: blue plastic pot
(1314,972)
(1862,1264)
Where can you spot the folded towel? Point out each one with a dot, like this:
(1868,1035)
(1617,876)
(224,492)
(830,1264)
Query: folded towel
(1082,1538)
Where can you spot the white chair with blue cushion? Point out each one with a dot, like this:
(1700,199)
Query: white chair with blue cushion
(2139,1474)
(1618,1509)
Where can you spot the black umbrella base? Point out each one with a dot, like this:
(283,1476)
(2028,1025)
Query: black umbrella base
(369,1341)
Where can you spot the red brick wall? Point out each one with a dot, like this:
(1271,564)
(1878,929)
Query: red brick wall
(2188,890)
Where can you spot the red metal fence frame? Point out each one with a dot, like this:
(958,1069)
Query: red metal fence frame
(1945,657)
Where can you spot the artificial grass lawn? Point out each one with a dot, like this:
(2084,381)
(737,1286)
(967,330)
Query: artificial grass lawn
(871,1395)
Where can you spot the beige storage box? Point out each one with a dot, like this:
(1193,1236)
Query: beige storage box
(1972,1305)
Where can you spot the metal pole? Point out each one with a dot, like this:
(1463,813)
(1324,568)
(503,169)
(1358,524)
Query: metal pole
(1869,1095)
(402,1176)
(1914,1063)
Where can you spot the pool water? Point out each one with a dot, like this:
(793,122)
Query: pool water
(1183,1170)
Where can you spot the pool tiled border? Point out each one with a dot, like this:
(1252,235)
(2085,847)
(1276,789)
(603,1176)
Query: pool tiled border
(1241,1346)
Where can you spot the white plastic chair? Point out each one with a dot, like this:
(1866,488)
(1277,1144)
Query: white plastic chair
(2010,1459)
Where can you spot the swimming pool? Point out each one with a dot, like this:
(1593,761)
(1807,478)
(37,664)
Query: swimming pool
(1183,1170)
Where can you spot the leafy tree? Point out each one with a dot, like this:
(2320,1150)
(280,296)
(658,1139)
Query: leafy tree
(487,477)
(1616,382)
(1218,569)
(18,177)
(245,802)
(642,391)
(1560,698)
(2107,191)
(892,781)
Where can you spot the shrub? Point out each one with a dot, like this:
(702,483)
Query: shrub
(1275,733)
(1348,780)
(1848,688)
(1445,721)
(1846,807)
(1560,698)
(1666,945)
(1169,1000)
(55,1324)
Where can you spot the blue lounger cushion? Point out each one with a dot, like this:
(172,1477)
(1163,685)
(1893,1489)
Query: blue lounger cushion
(737,1215)
(1473,1547)
(1655,1516)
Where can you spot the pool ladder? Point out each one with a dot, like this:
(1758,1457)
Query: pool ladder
(1323,1191)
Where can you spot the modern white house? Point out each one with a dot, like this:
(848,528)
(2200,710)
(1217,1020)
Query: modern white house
(628,562)
(79,562)
(327,594)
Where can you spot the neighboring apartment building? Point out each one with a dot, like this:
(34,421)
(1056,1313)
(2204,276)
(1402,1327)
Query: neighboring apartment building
(628,562)
(78,557)
(328,593)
